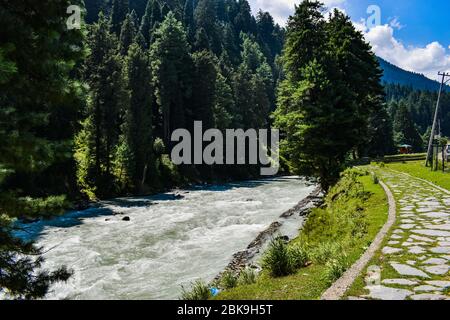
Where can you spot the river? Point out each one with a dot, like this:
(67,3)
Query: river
(168,242)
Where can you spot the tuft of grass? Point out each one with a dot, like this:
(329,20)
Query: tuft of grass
(198,291)
(335,268)
(375,178)
(298,256)
(228,280)
(276,260)
(247,276)
(325,252)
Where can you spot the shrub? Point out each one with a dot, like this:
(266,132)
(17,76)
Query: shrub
(375,179)
(247,276)
(325,252)
(276,259)
(298,256)
(335,268)
(198,291)
(228,280)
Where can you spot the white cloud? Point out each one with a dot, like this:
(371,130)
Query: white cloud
(427,60)
(282,9)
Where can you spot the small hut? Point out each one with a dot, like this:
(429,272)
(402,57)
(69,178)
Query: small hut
(405,149)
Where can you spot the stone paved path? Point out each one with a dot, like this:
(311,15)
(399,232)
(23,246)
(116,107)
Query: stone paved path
(415,259)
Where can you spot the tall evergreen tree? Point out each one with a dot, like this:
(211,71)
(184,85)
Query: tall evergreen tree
(204,88)
(269,35)
(358,70)
(97,142)
(224,104)
(135,151)
(244,21)
(205,14)
(188,19)
(118,14)
(254,85)
(405,130)
(138,6)
(151,17)
(201,40)
(127,34)
(171,67)
(320,105)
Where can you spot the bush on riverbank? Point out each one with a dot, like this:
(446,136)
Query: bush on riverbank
(282,260)
(332,239)
(198,291)
(247,276)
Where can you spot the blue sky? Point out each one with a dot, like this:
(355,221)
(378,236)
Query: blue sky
(413,34)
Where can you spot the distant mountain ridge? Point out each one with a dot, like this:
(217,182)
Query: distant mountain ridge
(394,74)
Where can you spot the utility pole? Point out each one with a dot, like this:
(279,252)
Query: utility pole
(436,117)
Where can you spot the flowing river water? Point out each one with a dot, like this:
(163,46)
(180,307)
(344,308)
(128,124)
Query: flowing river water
(168,241)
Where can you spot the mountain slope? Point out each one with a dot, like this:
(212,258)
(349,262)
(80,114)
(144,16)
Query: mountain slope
(394,74)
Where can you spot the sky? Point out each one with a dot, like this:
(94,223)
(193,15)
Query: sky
(412,34)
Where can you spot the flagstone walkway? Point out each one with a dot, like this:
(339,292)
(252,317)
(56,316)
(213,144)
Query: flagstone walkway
(414,263)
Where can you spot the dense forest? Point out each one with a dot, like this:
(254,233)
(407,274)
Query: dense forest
(87,114)
(412,114)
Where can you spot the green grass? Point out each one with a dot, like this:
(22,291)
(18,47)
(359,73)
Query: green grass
(418,169)
(336,236)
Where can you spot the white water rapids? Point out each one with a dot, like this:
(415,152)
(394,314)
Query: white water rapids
(167,243)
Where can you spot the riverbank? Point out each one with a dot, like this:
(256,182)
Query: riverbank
(334,237)
(248,257)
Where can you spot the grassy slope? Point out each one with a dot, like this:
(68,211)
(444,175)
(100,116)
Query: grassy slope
(323,226)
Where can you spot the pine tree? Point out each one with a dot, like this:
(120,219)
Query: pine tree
(188,19)
(118,15)
(224,105)
(93,8)
(405,130)
(254,76)
(380,136)
(138,6)
(37,92)
(269,36)
(201,40)
(171,67)
(205,14)
(205,17)
(135,149)
(127,35)
(244,21)
(97,141)
(151,17)
(320,105)
(204,88)
(360,75)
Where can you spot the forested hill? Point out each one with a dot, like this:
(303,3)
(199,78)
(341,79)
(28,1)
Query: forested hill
(396,75)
